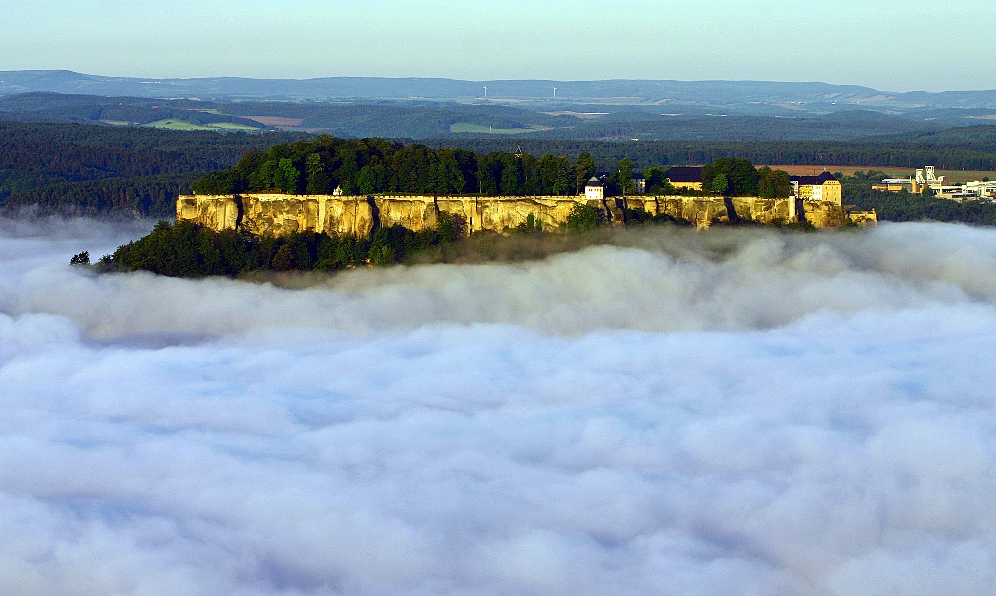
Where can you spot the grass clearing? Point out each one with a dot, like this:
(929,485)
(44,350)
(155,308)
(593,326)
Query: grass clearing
(173,124)
(230,126)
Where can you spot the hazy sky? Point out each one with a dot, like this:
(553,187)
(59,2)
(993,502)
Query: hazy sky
(889,44)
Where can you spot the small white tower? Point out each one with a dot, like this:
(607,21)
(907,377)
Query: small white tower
(594,190)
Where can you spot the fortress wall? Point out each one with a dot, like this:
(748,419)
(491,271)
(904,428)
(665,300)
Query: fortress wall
(498,213)
(863,218)
(281,214)
(825,214)
(212,211)
(413,212)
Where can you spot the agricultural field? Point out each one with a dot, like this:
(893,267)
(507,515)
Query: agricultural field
(173,124)
(276,121)
(949,175)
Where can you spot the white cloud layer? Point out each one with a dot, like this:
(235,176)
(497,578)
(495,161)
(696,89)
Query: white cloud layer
(700,414)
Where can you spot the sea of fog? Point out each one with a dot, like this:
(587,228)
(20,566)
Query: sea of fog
(683,413)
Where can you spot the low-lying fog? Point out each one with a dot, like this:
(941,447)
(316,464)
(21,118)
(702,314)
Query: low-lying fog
(683,413)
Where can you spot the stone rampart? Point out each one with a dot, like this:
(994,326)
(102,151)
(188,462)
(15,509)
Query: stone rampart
(282,214)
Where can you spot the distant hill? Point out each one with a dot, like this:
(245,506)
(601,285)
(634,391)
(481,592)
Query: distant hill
(978,135)
(749,97)
(451,119)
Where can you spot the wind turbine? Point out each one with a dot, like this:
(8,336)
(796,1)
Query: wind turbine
(554,92)
(485,91)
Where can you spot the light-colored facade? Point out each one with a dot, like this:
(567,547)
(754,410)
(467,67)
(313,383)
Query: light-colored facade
(594,190)
(820,189)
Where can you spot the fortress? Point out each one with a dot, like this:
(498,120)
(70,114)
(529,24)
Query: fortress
(282,214)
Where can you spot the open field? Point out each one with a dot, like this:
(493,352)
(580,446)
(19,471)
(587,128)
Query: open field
(478,129)
(229,126)
(276,120)
(171,124)
(950,175)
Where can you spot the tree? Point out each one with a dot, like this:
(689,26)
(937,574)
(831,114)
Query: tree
(284,259)
(626,175)
(82,258)
(741,176)
(450,227)
(287,177)
(720,184)
(512,177)
(554,175)
(318,179)
(657,182)
(583,170)
(583,218)
(446,174)
(489,173)
(372,179)
(773,184)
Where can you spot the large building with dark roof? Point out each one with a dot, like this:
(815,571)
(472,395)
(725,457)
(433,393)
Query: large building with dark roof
(689,177)
(821,188)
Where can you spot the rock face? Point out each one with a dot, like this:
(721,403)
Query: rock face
(282,214)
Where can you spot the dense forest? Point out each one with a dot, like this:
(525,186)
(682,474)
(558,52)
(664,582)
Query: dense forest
(368,166)
(657,127)
(979,155)
(102,170)
(377,166)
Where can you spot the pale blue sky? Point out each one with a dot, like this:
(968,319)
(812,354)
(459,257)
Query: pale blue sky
(888,44)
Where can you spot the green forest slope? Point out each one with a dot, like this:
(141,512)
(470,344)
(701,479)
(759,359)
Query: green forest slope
(95,170)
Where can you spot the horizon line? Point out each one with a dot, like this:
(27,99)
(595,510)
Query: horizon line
(437,78)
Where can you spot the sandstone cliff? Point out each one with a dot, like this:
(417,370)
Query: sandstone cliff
(281,214)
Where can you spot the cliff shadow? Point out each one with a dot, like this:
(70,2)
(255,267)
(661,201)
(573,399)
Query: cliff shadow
(374,212)
(731,210)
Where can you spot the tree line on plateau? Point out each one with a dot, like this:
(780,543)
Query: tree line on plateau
(377,166)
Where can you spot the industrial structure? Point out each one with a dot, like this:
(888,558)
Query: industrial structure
(927,177)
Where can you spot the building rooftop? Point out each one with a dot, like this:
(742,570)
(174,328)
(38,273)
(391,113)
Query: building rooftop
(685,174)
(813,180)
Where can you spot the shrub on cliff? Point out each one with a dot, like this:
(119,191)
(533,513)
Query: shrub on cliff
(450,227)
(190,250)
(583,218)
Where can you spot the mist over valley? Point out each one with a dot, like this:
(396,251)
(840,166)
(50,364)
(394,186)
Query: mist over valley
(674,410)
